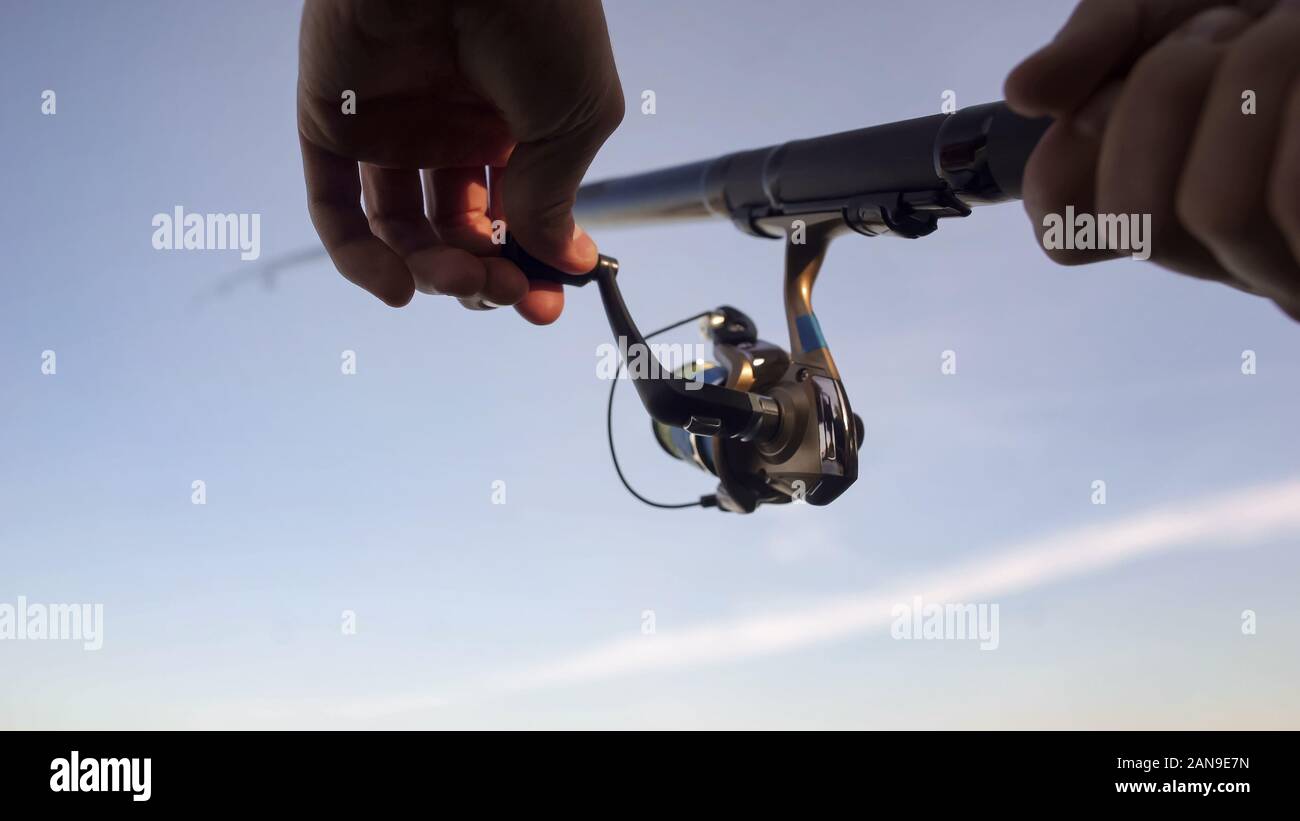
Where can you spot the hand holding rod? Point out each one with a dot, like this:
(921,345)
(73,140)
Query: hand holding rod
(977,154)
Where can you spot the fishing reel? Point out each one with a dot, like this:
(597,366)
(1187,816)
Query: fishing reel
(773,426)
(812,458)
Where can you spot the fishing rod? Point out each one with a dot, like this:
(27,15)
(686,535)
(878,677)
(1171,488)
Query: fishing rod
(774,426)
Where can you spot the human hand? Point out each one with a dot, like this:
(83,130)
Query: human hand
(442,89)
(1150,98)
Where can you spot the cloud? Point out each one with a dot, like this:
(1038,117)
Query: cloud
(1234,519)
(1229,520)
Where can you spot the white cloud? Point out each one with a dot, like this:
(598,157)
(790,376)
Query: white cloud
(1230,520)
(1226,520)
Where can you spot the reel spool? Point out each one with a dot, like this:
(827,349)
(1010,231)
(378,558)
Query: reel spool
(752,473)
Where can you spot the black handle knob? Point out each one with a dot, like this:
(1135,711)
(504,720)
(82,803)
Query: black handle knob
(534,268)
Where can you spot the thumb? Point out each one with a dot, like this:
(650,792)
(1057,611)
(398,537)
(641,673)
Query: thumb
(538,194)
(548,67)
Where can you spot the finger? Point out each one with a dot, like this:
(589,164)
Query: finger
(457,204)
(1148,135)
(539,201)
(506,284)
(540,303)
(543,303)
(1284,193)
(1099,42)
(560,117)
(496,192)
(395,206)
(1060,180)
(334,202)
(1223,198)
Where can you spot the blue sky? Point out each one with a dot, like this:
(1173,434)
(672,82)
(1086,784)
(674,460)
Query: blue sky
(372,492)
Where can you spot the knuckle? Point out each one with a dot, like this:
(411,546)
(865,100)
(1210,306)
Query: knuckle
(391,224)
(1212,219)
(611,111)
(384,227)
(329,223)
(1140,195)
(381,223)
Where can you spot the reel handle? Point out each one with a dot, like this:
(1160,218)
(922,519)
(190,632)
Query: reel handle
(535,269)
(693,406)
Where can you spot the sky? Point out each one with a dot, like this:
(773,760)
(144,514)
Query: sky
(373,492)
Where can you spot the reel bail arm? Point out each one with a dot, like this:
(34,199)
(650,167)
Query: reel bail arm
(781,427)
(696,407)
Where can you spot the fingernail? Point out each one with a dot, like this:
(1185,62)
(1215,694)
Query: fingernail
(1213,25)
(1090,121)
